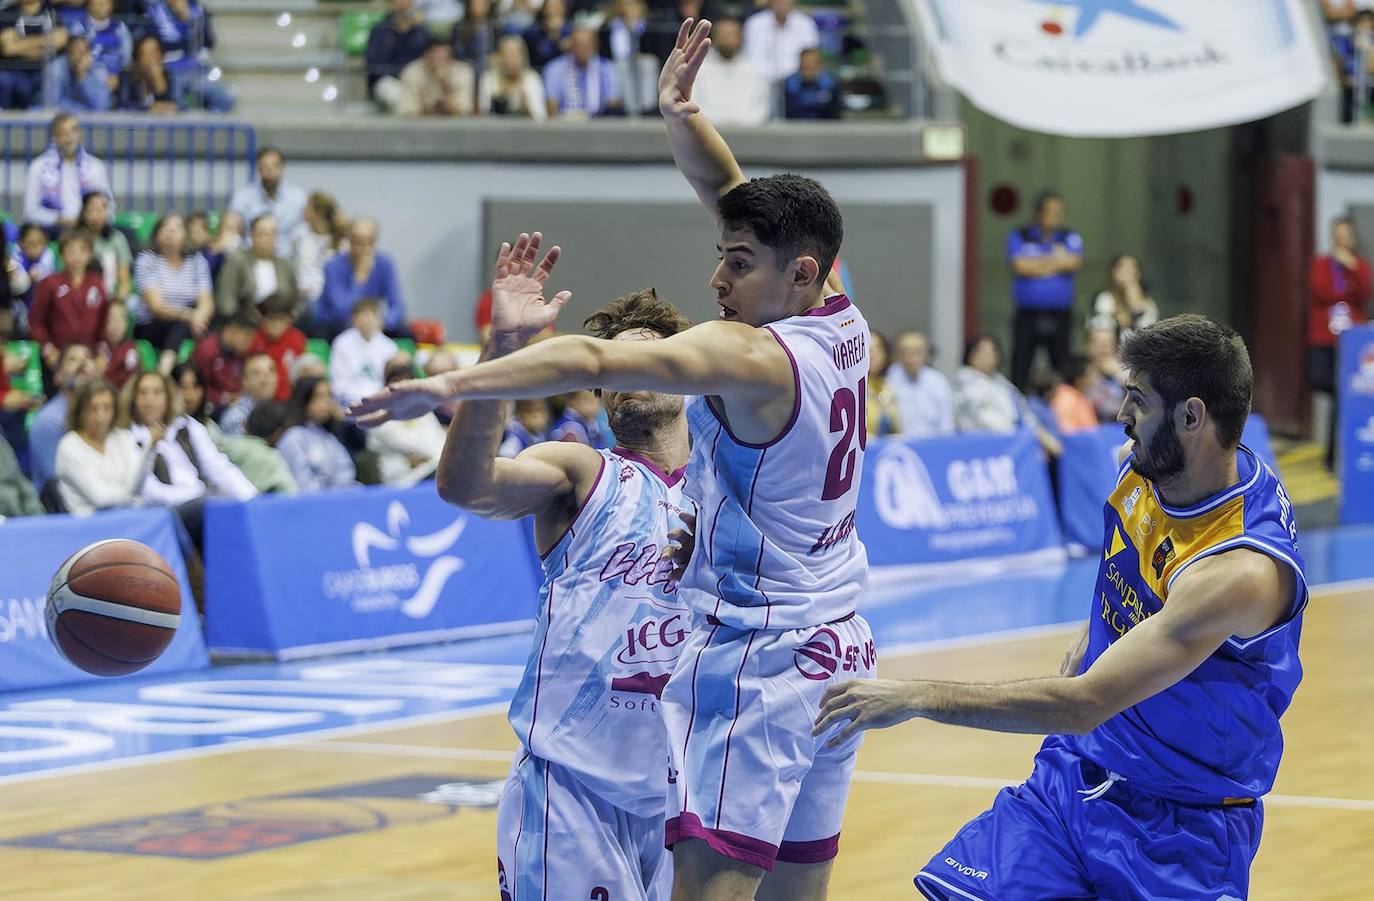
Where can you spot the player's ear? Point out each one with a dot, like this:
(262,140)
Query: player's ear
(1191,413)
(807,273)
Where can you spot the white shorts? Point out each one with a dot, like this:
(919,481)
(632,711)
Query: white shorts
(749,779)
(555,839)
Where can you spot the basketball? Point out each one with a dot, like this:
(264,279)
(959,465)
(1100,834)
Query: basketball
(113,607)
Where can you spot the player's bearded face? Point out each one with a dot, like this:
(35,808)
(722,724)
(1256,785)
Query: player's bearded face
(1160,456)
(639,412)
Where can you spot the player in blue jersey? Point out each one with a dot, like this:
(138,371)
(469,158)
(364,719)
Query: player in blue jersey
(1164,723)
(582,813)
(779,431)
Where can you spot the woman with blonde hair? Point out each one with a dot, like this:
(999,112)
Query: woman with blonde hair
(509,87)
(321,236)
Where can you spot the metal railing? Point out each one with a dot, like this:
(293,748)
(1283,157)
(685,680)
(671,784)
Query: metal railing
(151,164)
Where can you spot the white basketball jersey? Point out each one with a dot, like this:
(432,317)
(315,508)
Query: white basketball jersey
(776,547)
(610,628)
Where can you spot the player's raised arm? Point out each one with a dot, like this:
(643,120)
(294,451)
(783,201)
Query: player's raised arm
(544,477)
(1239,593)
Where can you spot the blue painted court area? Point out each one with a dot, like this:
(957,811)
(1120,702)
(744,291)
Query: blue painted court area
(122,720)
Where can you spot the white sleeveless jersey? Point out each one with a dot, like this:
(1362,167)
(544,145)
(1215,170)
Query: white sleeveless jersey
(609,631)
(776,547)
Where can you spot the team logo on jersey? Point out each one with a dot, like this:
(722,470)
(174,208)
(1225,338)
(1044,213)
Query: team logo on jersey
(818,659)
(1162,555)
(627,472)
(1129,503)
(1117,546)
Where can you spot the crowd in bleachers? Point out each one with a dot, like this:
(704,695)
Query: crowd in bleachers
(97,55)
(209,354)
(584,59)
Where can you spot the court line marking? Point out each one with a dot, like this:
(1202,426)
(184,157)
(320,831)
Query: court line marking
(446,716)
(875,776)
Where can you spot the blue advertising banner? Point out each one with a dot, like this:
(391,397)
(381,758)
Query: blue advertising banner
(358,569)
(1355,407)
(948,499)
(31,550)
(1088,468)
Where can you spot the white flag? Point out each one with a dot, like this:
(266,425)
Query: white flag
(1120,68)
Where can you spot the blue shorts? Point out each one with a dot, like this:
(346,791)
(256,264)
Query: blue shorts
(1043,839)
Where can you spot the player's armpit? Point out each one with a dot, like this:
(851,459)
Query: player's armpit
(541,480)
(1237,593)
(728,359)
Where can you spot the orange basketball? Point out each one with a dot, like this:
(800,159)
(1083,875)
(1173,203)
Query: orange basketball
(113,607)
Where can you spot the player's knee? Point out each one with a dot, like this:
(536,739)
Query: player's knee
(796,882)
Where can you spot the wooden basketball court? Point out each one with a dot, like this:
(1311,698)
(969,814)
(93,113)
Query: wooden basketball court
(916,785)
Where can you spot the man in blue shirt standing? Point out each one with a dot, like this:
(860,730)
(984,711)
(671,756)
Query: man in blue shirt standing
(360,271)
(1044,257)
(272,193)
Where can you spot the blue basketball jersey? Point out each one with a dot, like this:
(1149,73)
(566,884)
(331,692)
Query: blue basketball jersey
(1215,734)
(775,540)
(611,625)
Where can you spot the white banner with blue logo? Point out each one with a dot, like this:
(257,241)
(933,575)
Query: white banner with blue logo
(360,569)
(31,550)
(1355,394)
(1122,68)
(944,500)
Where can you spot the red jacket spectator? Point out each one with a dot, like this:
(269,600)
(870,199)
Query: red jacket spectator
(284,349)
(219,358)
(1340,289)
(121,361)
(65,313)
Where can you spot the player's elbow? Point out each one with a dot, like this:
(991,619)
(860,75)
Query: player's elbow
(461,492)
(1087,709)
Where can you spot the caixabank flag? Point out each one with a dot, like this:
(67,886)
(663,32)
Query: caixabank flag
(364,568)
(1121,68)
(1355,395)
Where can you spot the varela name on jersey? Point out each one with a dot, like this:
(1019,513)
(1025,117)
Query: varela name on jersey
(776,546)
(1214,737)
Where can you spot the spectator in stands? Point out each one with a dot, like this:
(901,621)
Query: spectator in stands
(260,382)
(74,82)
(667,16)
(111,44)
(925,405)
(28,34)
(146,86)
(255,453)
(271,193)
(1125,305)
(68,13)
(439,362)
(1339,283)
(1043,257)
(228,239)
(636,70)
(775,37)
(198,236)
(362,271)
(509,87)
(394,43)
(75,369)
(117,356)
(109,246)
(187,37)
(33,255)
(175,288)
(220,357)
(14,288)
(17,497)
(811,92)
(580,83)
(358,357)
(69,306)
(439,16)
(730,88)
(529,425)
(61,176)
(190,389)
(881,406)
(186,465)
(97,467)
(322,235)
(307,365)
(436,84)
(1068,400)
(985,401)
(255,273)
(581,421)
(547,38)
(475,37)
(1107,387)
(318,461)
(15,403)
(1352,39)
(407,449)
(279,338)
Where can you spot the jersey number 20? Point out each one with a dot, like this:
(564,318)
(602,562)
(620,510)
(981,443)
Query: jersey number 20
(848,414)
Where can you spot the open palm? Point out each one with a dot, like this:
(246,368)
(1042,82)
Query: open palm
(679,73)
(518,308)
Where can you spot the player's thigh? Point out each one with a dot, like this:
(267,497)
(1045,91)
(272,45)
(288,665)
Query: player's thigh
(556,840)
(701,873)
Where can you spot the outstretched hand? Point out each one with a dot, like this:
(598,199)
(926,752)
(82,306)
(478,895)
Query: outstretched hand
(679,73)
(518,308)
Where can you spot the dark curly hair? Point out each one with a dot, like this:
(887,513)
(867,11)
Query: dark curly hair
(640,310)
(789,214)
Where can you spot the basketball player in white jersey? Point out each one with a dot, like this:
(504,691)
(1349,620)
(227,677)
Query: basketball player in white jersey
(582,812)
(777,570)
